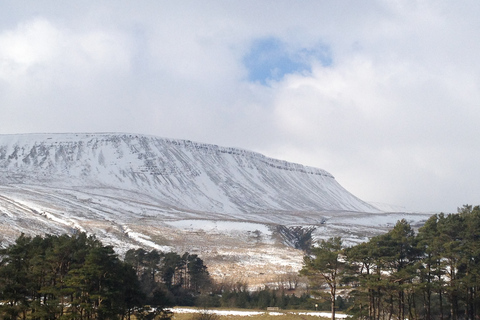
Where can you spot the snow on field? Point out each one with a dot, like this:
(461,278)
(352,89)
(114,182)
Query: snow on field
(250,313)
(145,240)
(219,312)
(219,226)
(384,219)
(325,314)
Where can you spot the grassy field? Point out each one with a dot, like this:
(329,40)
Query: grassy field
(264,316)
(255,315)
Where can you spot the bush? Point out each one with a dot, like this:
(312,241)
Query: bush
(205,315)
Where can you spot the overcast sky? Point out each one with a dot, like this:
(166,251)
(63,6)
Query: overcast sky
(385,95)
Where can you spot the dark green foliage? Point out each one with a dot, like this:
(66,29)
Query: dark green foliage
(76,277)
(325,265)
(434,274)
(148,313)
(259,299)
(66,277)
(168,279)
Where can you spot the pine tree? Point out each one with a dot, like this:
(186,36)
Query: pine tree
(326,265)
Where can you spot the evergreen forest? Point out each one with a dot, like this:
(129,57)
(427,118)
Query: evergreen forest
(430,274)
(77,277)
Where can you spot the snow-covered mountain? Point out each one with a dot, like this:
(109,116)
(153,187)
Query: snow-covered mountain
(176,173)
(136,190)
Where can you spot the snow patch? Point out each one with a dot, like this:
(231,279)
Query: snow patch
(242,313)
(145,240)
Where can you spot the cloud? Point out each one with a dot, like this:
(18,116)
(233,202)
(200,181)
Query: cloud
(38,47)
(395,129)
(29,45)
(57,76)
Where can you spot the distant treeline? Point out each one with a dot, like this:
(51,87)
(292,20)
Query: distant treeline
(431,274)
(265,298)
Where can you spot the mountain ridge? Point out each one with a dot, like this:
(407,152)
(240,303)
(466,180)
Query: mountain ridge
(279,164)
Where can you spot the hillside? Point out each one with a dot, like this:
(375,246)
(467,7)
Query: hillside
(137,190)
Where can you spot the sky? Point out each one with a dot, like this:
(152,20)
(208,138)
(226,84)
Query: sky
(384,95)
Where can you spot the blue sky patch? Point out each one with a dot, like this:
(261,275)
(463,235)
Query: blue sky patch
(270,59)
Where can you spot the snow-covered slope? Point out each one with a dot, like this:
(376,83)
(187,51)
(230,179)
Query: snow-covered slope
(176,173)
(225,204)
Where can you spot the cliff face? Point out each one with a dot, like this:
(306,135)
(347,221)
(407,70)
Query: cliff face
(176,173)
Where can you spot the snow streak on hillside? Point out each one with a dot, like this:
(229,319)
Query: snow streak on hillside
(177,174)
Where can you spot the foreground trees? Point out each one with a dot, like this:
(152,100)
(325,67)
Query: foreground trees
(65,277)
(384,275)
(434,274)
(77,277)
(325,265)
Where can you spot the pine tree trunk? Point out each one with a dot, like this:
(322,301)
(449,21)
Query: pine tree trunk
(333,289)
(333,307)
(441,303)
(371,304)
(378,309)
(391,307)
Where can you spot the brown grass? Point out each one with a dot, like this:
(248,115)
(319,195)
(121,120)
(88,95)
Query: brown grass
(264,316)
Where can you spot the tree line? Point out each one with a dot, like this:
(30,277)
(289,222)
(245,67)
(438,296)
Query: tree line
(430,274)
(77,277)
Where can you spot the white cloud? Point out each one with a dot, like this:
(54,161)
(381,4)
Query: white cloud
(29,45)
(396,129)
(40,44)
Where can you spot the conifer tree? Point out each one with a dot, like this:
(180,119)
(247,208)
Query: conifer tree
(65,277)
(326,265)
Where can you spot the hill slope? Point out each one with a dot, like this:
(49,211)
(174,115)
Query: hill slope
(228,205)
